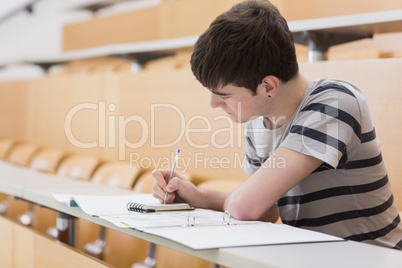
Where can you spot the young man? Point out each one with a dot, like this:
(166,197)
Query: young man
(333,179)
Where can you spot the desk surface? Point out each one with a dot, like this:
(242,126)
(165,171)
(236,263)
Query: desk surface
(374,23)
(38,188)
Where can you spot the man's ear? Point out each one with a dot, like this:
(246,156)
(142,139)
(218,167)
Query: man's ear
(270,85)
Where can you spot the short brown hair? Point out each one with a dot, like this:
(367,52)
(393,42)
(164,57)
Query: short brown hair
(243,45)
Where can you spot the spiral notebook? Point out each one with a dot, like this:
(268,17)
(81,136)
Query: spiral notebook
(118,205)
(147,208)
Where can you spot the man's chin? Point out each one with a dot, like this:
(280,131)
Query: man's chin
(238,119)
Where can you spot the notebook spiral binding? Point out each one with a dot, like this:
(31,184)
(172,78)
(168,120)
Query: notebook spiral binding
(135,207)
(145,208)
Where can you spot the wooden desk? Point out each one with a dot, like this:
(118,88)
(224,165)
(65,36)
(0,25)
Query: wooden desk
(38,188)
(322,33)
(133,49)
(318,34)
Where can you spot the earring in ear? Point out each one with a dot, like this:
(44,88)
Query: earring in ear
(269,96)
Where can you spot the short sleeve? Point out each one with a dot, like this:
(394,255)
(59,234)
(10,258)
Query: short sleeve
(326,125)
(251,161)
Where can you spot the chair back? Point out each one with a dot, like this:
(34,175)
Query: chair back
(47,160)
(5,147)
(22,153)
(78,166)
(118,174)
(144,183)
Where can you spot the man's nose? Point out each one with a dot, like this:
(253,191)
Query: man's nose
(216,101)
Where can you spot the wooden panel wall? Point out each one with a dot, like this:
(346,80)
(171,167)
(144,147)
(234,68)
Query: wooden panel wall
(6,242)
(14,106)
(63,111)
(25,248)
(180,118)
(142,118)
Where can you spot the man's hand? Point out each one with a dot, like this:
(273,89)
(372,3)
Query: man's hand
(180,189)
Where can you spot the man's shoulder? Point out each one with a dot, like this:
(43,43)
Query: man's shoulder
(322,86)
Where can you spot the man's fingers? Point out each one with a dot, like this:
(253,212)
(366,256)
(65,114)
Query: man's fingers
(161,185)
(158,192)
(171,198)
(159,177)
(173,185)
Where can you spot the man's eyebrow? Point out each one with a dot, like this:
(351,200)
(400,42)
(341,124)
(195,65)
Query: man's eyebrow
(220,93)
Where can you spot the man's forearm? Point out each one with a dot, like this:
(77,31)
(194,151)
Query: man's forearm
(211,199)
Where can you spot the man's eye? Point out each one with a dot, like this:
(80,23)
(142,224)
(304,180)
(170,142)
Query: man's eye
(224,97)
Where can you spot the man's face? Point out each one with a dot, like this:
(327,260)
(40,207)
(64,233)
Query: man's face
(239,102)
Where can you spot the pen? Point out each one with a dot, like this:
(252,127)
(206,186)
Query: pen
(171,173)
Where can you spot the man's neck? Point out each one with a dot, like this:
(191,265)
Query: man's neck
(286,101)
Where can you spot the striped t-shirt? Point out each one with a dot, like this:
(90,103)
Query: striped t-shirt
(349,195)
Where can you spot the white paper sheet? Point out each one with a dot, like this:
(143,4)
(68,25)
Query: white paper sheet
(210,237)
